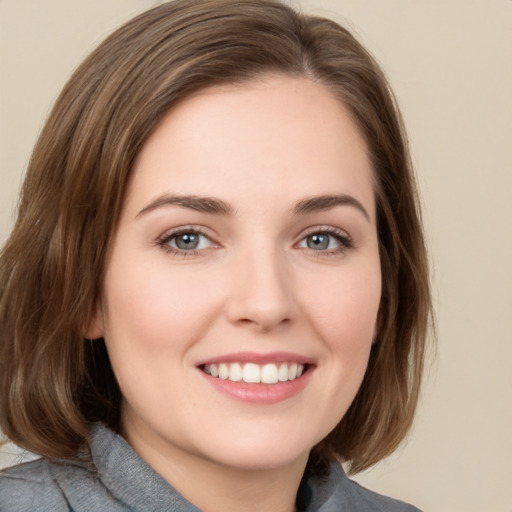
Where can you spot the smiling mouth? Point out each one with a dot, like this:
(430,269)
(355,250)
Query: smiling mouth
(252,373)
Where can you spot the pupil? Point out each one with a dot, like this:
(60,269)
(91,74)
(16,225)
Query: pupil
(187,241)
(318,241)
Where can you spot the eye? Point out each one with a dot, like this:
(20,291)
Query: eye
(186,241)
(330,241)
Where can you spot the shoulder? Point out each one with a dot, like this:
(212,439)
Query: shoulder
(31,487)
(370,500)
(98,480)
(337,492)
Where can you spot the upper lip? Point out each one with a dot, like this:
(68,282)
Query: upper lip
(257,358)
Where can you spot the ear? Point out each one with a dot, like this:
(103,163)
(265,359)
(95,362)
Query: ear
(95,327)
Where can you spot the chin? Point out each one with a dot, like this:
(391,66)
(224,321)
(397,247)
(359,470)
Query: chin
(261,452)
(256,460)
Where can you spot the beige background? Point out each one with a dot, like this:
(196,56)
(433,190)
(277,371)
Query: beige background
(450,62)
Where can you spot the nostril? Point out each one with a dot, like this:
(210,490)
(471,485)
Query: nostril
(264,323)
(260,293)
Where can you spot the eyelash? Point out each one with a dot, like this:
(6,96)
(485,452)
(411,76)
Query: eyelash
(165,240)
(344,240)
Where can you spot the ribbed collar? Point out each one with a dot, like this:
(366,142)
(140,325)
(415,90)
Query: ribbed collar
(131,480)
(136,485)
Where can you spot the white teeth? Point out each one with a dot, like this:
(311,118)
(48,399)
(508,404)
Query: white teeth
(235,372)
(223,371)
(252,373)
(283,372)
(269,374)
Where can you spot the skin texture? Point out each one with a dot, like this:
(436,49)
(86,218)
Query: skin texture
(255,284)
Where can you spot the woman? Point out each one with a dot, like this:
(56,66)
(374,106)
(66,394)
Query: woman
(216,289)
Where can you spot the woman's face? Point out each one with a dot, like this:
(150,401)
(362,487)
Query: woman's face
(247,247)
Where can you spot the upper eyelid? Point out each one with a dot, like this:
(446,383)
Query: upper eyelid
(164,241)
(214,237)
(324,229)
(189,228)
(344,239)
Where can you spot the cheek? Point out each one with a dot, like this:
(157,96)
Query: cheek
(344,310)
(152,318)
(149,307)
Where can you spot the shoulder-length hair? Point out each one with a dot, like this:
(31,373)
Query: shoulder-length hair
(53,381)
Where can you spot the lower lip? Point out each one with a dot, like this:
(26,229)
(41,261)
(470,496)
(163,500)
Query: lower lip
(260,393)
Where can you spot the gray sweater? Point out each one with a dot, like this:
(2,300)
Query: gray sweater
(120,481)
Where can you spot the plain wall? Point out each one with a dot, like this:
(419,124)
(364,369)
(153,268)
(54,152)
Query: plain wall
(449,62)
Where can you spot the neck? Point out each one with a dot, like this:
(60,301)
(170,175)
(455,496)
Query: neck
(230,490)
(213,487)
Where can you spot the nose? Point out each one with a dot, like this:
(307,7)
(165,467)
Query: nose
(261,296)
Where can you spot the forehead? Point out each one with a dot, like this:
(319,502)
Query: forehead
(276,133)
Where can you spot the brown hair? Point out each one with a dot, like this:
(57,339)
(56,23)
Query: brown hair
(54,383)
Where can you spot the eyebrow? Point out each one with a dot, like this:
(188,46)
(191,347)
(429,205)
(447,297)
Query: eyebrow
(216,206)
(326,202)
(199,203)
